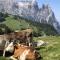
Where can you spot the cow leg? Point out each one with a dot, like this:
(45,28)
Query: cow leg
(28,41)
(4,53)
(4,48)
(29,44)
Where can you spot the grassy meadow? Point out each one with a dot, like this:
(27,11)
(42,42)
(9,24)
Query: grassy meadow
(50,51)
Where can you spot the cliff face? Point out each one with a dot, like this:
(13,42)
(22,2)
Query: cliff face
(29,9)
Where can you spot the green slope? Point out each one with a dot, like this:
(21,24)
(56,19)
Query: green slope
(52,50)
(18,24)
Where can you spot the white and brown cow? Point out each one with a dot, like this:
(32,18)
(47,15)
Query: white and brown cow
(22,52)
(3,43)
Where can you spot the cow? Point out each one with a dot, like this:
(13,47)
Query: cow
(22,52)
(5,39)
(24,36)
(3,43)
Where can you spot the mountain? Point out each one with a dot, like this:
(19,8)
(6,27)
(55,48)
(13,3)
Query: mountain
(29,9)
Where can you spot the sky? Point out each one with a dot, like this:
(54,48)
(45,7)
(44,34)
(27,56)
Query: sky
(55,6)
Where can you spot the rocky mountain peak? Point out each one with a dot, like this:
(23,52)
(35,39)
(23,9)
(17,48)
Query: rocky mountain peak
(29,9)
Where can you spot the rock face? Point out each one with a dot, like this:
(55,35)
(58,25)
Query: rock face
(29,9)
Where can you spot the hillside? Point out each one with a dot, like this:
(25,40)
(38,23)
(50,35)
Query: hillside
(17,23)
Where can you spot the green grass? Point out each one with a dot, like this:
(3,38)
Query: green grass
(14,24)
(52,50)
(3,58)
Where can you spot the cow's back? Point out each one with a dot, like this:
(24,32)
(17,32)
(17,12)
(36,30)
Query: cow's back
(20,49)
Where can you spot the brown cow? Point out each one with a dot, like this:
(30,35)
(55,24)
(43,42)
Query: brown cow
(22,52)
(28,36)
(24,36)
(25,53)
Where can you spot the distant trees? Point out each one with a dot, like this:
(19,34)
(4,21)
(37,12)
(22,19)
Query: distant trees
(41,29)
(4,29)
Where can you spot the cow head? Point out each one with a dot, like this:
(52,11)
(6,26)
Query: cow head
(10,47)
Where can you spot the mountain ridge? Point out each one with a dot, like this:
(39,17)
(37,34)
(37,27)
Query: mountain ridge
(31,11)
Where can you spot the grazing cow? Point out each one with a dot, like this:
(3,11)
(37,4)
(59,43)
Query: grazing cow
(25,36)
(22,52)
